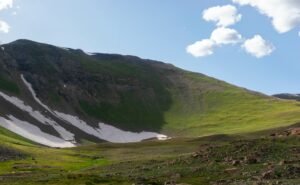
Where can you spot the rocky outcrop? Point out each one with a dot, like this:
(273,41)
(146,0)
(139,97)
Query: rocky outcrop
(288,132)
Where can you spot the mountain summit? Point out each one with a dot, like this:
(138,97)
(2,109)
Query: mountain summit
(63,97)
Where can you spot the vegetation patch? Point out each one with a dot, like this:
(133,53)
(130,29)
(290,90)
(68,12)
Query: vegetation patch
(7,153)
(9,85)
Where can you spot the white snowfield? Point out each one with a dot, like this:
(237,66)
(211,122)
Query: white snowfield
(33,133)
(103,131)
(108,132)
(66,135)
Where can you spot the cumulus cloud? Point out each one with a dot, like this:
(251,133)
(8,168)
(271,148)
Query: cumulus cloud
(4,27)
(258,47)
(285,14)
(220,36)
(225,36)
(4,4)
(201,48)
(223,15)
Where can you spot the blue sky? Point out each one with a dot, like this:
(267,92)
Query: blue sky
(161,30)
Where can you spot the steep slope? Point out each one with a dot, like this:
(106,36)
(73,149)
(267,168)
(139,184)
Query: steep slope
(68,96)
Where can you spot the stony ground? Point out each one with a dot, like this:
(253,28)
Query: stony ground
(219,160)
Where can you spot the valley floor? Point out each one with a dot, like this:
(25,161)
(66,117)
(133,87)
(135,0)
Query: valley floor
(260,158)
(211,160)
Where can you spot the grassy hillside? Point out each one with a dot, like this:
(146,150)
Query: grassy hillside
(226,109)
(135,94)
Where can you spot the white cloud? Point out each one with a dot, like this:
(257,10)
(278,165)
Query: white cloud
(285,14)
(225,36)
(201,48)
(4,4)
(223,15)
(4,27)
(220,36)
(258,47)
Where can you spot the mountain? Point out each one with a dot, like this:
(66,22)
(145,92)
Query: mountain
(288,96)
(64,97)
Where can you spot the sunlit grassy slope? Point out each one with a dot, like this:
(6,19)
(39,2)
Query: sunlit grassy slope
(225,109)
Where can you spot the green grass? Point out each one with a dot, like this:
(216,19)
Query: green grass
(10,138)
(141,103)
(130,114)
(9,85)
(56,99)
(225,109)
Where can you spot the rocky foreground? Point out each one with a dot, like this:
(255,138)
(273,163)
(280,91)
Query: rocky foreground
(219,160)
(268,160)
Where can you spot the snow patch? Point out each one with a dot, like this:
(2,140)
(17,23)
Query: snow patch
(38,116)
(116,135)
(33,133)
(108,132)
(89,53)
